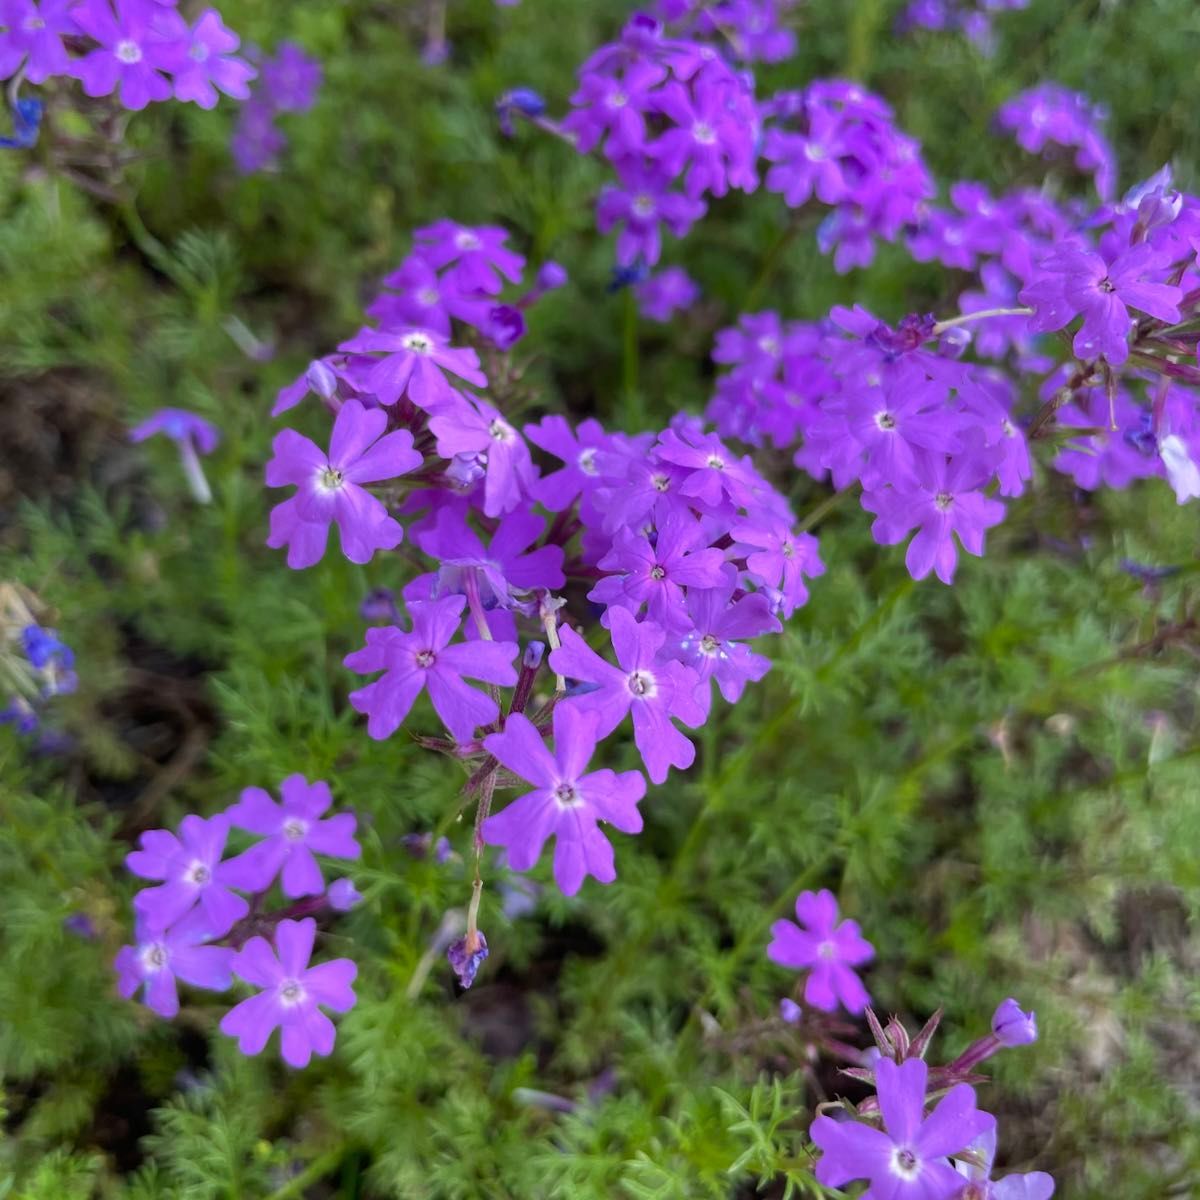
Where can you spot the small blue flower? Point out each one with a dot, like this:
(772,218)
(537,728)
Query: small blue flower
(27,122)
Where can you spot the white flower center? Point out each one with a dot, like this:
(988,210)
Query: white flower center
(710,644)
(643,685)
(566,795)
(885,421)
(657,572)
(617,99)
(787,549)
(418,343)
(33,24)
(587,461)
(466,241)
(500,431)
(661,483)
(769,345)
(704,133)
(814,152)
(291,992)
(643,205)
(128,52)
(716,462)
(905,1163)
(294,829)
(155,956)
(329,479)
(827,950)
(199,52)
(943,500)
(425,658)
(428,297)
(198,873)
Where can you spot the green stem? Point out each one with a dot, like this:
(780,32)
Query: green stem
(629,357)
(317,1169)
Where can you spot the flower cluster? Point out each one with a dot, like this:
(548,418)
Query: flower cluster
(142,51)
(682,547)
(755,29)
(676,121)
(944,1155)
(196,927)
(1048,117)
(934,438)
(838,143)
(970,17)
(35,664)
(288,83)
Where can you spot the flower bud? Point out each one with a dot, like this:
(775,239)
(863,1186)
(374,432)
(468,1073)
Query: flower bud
(343,895)
(1012,1027)
(321,379)
(790,1011)
(466,960)
(551,275)
(505,326)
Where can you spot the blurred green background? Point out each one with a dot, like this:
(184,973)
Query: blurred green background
(999,780)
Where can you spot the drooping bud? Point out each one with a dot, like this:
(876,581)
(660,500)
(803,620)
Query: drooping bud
(1012,1027)
(466,956)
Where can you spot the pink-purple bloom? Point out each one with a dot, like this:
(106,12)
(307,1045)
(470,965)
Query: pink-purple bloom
(566,803)
(190,872)
(329,486)
(291,832)
(423,659)
(31,36)
(292,994)
(161,957)
(131,55)
(909,1158)
(653,688)
(827,948)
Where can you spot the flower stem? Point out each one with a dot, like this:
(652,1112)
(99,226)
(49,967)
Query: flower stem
(982,315)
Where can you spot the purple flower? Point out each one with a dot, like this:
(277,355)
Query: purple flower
(827,949)
(715,138)
(1012,1026)
(581,452)
(181,426)
(790,1011)
(424,659)
(45,650)
(504,326)
(329,487)
(291,79)
(418,297)
(160,958)
(476,255)
(907,1160)
(642,204)
(291,833)
(32,34)
(1035,1185)
(475,429)
(945,499)
(256,143)
(466,956)
(206,62)
(506,566)
(606,105)
(343,895)
(130,54)
(779,558)
(292,997)
(191,870)
(415,364)
(566,804)
(655,573)
(1075,281)
(652,688)
(660,296)
(713,472)
(1104,456)
(709,649)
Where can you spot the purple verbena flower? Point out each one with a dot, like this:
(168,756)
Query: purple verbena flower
(330,487)
(827,948)
(944,499)
(291,79)
(191,872)
(907,1159)
(292,832)
(474,428)
(131,55)
(666,292)
(206,62)
(779,558)
(31,34)
(642,203)
(415,364)
(476,255)
(566,804)
(655,573)
(652,688)
(292,995)
(424,659)
(160,958)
